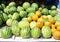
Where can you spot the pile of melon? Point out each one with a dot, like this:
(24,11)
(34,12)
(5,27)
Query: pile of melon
(29,20)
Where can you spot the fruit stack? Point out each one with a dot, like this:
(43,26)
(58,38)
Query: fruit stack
(29,21)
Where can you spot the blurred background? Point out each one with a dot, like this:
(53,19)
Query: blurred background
(54,2)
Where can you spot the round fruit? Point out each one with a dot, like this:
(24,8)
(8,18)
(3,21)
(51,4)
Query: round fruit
(15,16)
(24,19)
(57,24)
(49,11)
(25,32)
(29,19)
(23,13)
(26,5)
(47,24)
(35,18)
(40,20)
(49,16)
(6,32)
(38,13)
(53,13)
(53,28)
(32,24)
(34,5)
(40,9)
(46,32)
(3,6)
(19,8)
(30,9)
(12,10)
(35,32)
(57,18)
(12,4)
(10,16)
(6,10)
(56,35)
(45,11)
(23,24)
(39,24)
(53,7)
(52,20)
(42,5)
(9,22)
(14,22)
(45,17)
(7,7)
(15,30)
(58,28)
(31,14)
(5,17)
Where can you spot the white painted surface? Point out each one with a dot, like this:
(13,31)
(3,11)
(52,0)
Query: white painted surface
(28,40)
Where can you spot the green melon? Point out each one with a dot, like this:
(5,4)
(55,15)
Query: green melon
(15,16)
(23,24)
(34,5)
(5,17)
(25,32)
(30,14)
(9,22)
(30,9)
(32,24)
(35,32)
(12,10)
(23,13)
(46,32)
(15,30)
(45,11)
(19,8)
(11,4)
(53,7)
(6,32)
(10,16)
(26,5)
(53,13)
(57,18)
